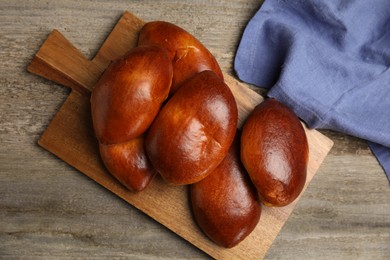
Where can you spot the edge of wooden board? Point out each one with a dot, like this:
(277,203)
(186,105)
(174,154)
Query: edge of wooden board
(70,137)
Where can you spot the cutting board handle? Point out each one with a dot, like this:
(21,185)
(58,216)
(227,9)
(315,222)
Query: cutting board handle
(58,60)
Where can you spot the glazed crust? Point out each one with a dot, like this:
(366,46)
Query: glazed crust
(128,163)
(274,150)
(124,103)
(189,56)
(225,203)
(194,130)
(130,93)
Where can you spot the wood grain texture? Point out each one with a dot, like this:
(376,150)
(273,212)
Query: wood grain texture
(71,138)
(48,210)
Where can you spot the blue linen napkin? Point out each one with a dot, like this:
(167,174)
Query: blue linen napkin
(327,60)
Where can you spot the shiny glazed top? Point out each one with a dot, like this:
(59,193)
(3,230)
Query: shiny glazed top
(128,163)
(225,203)
(274,151)
(194,130)
(189,56)
(129,94)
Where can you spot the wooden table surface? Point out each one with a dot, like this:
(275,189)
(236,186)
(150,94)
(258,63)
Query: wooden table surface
(49,210)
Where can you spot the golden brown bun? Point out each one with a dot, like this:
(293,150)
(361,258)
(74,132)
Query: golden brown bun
(124,103)
(274,151)
(128,163)
(129,94)
(194,130)
(225,203)
(189,56)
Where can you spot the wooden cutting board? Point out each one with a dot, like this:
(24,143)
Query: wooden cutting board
(70,137)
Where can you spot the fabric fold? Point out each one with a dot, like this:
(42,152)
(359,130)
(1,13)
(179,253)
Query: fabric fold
(327,60)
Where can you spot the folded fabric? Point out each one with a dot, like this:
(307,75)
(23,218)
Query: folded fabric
(327,60)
